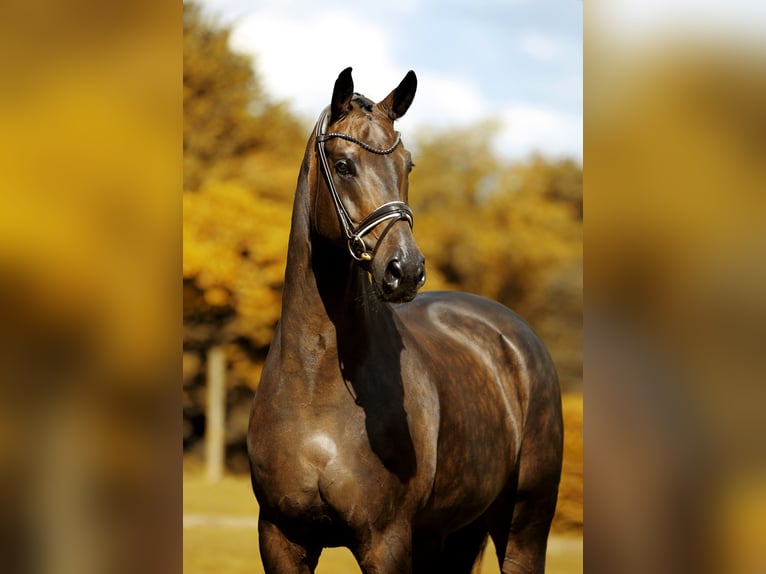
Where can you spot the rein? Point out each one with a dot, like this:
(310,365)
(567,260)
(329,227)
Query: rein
(392,211)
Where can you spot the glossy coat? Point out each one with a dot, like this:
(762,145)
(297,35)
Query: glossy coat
(407,429)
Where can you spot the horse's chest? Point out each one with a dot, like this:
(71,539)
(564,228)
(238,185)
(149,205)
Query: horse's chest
(336,471)
(302,464)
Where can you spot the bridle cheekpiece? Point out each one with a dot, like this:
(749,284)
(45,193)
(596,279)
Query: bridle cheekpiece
(392,211)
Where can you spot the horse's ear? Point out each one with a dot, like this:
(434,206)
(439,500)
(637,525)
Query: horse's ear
(341,95)
(398,102)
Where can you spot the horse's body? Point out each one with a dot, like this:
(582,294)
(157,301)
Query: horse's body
(407,432)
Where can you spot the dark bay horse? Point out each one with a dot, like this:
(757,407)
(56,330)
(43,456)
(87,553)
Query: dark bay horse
(408,429)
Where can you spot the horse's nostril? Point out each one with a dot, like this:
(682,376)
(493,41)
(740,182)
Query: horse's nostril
(422,276)
(394,269)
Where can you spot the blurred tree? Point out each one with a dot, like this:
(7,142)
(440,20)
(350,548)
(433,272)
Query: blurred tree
(241,153)
(241,158)
(235,244)
(219,86)
(455,169)
(227,113)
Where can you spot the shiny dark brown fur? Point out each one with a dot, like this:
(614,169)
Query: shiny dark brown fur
(406,429)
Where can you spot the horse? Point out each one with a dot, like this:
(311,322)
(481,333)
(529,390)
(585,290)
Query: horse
(409,429)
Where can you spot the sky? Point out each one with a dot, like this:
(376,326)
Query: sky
(518,62)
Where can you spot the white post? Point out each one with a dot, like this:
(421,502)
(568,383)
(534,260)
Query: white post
(216,414)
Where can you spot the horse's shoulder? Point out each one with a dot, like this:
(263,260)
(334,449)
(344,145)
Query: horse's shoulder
(461,306)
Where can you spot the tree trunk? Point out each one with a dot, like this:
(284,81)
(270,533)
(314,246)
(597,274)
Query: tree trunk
(215,431)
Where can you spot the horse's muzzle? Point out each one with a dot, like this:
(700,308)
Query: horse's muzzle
(402,278)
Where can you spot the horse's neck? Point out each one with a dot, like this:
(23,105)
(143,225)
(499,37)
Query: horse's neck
(327,300)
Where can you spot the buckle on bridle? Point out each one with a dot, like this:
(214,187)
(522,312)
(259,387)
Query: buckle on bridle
(358,249)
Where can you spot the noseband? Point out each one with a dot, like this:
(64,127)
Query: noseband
(392,211)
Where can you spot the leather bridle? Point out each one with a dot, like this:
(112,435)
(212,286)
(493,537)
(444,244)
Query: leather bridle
(392,211)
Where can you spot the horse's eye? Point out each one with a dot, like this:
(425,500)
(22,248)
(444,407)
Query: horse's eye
(344,167)
(409,167)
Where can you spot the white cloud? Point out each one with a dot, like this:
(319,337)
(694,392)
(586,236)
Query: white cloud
(299,58)
(443,100)
(539,46)
(528,128)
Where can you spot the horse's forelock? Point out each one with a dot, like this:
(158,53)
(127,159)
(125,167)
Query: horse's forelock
(363,102)
(356,123)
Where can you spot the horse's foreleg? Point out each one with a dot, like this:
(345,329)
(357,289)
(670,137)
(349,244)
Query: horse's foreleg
(280,555)
(386,552)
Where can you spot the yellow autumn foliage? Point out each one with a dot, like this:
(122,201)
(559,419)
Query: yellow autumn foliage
(234,248)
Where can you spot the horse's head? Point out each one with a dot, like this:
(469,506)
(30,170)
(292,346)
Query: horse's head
(360,201)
